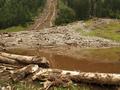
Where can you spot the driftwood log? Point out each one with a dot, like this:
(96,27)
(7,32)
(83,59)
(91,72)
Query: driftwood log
(36,70)
(20,59)
(23,72)
(58,77)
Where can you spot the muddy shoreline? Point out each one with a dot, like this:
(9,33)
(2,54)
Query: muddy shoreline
(61,59)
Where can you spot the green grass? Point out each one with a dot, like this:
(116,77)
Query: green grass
(20,86)
(108,31)
(104,54)
(38,86)
(82,87)
(14,29)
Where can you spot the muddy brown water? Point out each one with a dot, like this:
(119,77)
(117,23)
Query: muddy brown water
(61,61)
(65,62)
(70,63)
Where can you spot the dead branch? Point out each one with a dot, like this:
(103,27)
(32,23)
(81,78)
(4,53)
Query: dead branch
(23,72)
(15,59)
(62,77)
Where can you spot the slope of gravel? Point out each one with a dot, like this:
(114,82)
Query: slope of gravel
(56,36)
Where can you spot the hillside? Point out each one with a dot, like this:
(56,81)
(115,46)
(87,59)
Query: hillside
(40,41)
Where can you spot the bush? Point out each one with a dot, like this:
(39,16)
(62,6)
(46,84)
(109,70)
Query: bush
(70,10)
(65,14)
(15,12)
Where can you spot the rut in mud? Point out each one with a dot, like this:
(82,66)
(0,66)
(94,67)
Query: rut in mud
(46,19)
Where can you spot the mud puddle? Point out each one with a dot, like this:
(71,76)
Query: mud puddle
(72,62)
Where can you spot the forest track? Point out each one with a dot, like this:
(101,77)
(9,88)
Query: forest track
(46,19)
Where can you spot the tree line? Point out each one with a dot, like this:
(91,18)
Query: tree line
(84,9)
(18,12)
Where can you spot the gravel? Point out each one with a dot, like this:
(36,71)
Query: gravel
(56,36)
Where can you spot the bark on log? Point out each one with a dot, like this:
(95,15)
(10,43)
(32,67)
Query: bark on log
(98,78)
(13,59)
(64,76)
(23,72)
(7,60)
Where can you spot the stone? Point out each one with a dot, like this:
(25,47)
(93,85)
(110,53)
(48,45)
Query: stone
(20,40)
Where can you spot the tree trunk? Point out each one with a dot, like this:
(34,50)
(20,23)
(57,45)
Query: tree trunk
(7,60)
(98,78)
(64,76)
(55,76)
(20,74)
(15,59)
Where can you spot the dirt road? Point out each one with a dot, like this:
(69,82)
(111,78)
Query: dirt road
(45,20)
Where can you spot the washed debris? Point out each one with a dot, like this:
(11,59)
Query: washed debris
(56,36)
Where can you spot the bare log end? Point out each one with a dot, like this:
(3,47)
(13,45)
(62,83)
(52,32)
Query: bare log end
(24,72)
(41,62)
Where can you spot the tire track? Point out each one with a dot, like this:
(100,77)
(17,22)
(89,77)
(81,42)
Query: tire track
(46,19)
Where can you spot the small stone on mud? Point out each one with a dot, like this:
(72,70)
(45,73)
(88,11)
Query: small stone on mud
(20,40)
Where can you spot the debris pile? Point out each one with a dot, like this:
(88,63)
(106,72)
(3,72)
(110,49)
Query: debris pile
(39,69)
(57,36)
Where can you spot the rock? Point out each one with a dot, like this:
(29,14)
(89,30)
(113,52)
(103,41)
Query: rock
(20,40)
(9,87)
(61,35)
(2,49)
(6,88)
(2,44)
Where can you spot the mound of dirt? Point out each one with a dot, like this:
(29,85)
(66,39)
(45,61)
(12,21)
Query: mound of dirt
(56,36)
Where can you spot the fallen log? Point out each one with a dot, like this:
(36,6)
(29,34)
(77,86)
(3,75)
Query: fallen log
(23,72)
(13,59)
(7,60)
(98,78)
(64,76)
